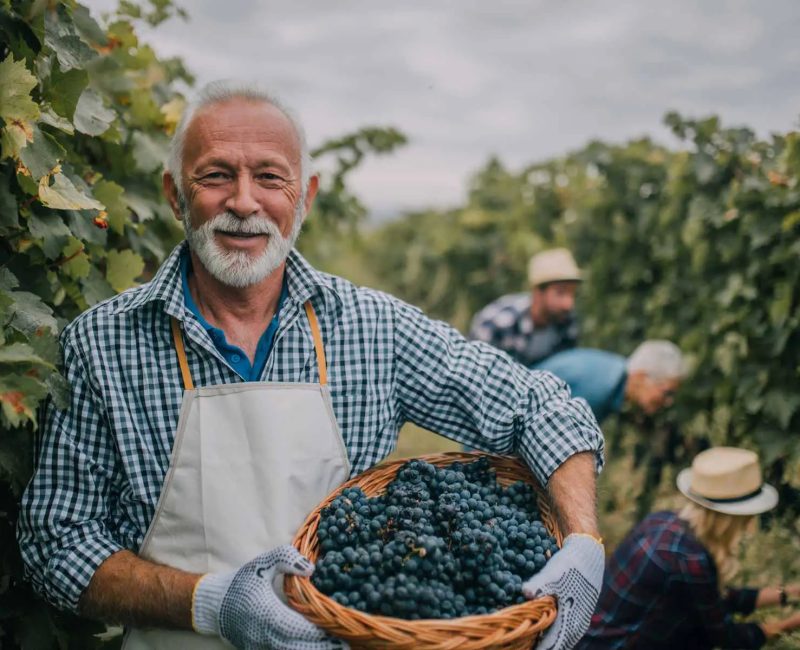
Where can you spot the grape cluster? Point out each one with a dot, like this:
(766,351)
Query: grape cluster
(439,543)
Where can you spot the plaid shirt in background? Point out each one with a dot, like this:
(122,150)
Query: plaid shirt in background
(101,462)
(507,324)
(660,590)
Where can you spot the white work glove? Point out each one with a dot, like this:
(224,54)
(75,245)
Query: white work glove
(574,576)
(243,608)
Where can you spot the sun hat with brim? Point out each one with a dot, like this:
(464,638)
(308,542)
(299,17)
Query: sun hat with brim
(553,265)
(727,480)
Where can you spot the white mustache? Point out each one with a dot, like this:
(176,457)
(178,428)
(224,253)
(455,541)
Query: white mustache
(229,222)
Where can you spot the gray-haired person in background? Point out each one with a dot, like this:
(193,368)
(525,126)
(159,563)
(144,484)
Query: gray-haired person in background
(648,378)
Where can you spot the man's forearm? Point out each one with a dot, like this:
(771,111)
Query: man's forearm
(129,590)
(573,492)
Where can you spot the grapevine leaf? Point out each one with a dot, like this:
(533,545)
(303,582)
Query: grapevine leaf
(16,83)
(26,183)
(45,345)
(61,36)
(148,151)
(91,115)
(19,397)
(42,155)
(50,118)
(83,228)
(122,269)
(171,112)
(781,306)
(88,27)
(30,314)
(143,207)
(8,280)
(77,263)
(63,195)
(143,110)
(53,232)
(22,353)
(781,405)
(64,90)
(95,287)
(13,139)
(111,195)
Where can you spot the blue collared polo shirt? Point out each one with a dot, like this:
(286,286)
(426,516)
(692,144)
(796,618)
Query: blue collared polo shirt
(234,355)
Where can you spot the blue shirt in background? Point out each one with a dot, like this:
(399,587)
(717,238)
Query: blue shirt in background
(597,376)
(234,355)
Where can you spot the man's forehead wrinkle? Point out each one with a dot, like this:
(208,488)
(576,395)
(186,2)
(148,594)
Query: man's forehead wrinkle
(245,124)
(231,110)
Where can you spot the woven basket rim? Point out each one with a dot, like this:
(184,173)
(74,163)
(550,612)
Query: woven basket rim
(516,626)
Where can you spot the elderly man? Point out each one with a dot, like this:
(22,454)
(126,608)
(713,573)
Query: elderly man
(648,378)
(533,325)
(215,406)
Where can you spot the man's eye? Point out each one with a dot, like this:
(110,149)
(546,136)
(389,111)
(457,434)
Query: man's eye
(215,175)
(269,176)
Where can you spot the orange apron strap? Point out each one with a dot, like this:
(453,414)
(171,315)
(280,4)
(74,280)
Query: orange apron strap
(177,337)
(318,347)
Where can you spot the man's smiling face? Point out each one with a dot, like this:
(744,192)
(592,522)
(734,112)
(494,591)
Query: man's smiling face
(243,200)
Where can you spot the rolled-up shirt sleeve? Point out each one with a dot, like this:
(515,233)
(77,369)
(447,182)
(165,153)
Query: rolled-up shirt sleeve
(63,530)
(477,395)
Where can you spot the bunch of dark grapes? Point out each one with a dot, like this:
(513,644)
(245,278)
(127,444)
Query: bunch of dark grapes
(441,542)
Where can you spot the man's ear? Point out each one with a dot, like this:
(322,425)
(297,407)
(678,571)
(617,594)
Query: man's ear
(311,192)
(171,192)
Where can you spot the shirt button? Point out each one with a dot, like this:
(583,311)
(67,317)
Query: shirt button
(236,358)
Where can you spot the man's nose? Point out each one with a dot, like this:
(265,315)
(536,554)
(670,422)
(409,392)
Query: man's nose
(243,202)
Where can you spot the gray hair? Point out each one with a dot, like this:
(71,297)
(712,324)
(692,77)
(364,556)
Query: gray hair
(221,91)
(658,359)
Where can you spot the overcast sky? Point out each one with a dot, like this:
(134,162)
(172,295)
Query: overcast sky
(523,80)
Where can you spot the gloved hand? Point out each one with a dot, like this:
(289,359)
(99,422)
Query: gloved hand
(574,576)
(243,608)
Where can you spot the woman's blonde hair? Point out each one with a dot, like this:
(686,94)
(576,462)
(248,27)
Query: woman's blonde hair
(720,533)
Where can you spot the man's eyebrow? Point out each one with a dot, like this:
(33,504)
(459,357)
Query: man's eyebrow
(265,162)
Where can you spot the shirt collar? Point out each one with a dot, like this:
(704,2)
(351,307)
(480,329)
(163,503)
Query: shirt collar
(303,283)
(185,266)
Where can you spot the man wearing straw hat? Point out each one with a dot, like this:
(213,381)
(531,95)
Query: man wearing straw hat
(533,325)
(665,586)
(215,406)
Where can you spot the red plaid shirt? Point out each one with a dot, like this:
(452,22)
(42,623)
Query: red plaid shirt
(660,590)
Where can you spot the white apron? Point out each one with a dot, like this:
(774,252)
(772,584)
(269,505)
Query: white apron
(249,463)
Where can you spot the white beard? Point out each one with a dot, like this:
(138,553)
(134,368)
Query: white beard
(239,268)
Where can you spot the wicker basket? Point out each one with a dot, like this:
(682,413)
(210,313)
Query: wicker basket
(514,627)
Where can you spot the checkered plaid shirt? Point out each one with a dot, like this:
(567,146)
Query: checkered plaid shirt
(660,592)
(507,324)
(101,461)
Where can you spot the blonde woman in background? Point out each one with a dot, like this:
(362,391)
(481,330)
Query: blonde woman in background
(665,585)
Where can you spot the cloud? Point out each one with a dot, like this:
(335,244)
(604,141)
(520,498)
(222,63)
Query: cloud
(466,79)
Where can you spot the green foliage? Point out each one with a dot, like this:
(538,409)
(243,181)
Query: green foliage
(698,245)
(80,217)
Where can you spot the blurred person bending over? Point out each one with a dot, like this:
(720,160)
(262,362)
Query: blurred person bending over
(647,379)
(533,325)
(666,587)
(215,406)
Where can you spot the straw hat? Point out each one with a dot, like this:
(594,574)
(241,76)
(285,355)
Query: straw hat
(727,480)
(554,265)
